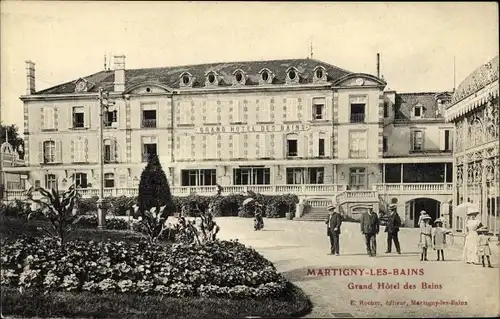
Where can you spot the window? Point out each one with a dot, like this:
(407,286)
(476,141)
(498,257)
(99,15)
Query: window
(357,112)
(251,176)
(386,110)
(50,181)
(418,140)
(81,180)
(109,180)
(198,177)
(49,152)
(148,118)
(318,108)
(149,147)
(48,122)
(185,79)
(79,147)
(292,109)
(110,118)
(319,73)
(305,175)
(149,150)
(292,75)
(418,111)
(321,146)
(109,150)
(384,144)
(239,77)
(265,76)
(357,144)
(78,117)
(357,178)
(292,146)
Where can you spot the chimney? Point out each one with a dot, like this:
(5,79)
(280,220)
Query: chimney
(378,65)
(119,62)
(30,77)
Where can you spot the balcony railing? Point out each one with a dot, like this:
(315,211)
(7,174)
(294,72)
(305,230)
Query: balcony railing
(418,188)
(326,190)
(357,117)
(151,123)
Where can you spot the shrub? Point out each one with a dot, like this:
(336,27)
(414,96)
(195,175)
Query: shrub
(154,190)
(117,224)
(87,205)
(58,209)
(219,268)
(118,206)
(88,221)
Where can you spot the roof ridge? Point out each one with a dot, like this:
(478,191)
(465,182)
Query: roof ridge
(68,82)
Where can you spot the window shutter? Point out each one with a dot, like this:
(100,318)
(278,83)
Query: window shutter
(42,118)
(442,137)
(264,145)
(412,140)
(86,116)
(71,120)
(236,146)
(59,151)
(236,111)
(112,149)
(48,117)
(40,152)
(265,111)
(451,142)
(291,109)
(302,145)
(423,140)
(280,145)
(72,150)
(328,145)
(316,144)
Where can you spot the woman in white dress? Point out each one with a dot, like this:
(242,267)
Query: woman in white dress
(471,238)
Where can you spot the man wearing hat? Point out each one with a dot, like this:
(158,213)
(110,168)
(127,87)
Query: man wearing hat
(392,229)
(370,226)
(333,223)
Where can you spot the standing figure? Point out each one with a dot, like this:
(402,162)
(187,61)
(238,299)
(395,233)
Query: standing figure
(469,254)
(392,229)
(425,237)
(258,223)
(483,249)
(370,226)
(333,223)
(439,234)
(423,214)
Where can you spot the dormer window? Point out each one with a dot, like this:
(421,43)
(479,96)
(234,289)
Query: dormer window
(266,76)
(319,74)
(292,75)
(82,85)
(186,80)
(239,77)
(418,111)
(211,79)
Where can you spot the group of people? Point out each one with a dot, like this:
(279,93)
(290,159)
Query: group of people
(476,248)
(477,242)
(370,227)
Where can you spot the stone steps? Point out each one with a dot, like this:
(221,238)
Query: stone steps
(316,214)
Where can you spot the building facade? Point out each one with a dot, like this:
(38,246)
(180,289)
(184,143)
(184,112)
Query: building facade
(474,112)
(286,126)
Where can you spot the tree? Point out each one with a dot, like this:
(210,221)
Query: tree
(154,191)
(14,139)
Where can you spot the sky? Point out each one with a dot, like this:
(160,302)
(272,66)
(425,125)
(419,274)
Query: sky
(417,42)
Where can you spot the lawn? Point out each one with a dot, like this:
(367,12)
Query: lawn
(28,302)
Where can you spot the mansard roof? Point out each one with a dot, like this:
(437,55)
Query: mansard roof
(406,101)
(481,77)
(169,76)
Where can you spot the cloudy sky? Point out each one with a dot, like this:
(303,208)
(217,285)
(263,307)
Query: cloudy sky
(417,41)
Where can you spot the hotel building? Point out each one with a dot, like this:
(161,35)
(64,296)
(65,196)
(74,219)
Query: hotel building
(283,126)
(474,112)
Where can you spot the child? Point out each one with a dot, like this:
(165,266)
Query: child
(439,238)
(423,215)
(425,236)
(483,246)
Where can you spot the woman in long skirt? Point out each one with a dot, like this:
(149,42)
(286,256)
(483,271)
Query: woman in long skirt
(471,238)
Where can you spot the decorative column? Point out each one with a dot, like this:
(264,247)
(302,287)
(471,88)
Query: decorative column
(484,191)
(466,163)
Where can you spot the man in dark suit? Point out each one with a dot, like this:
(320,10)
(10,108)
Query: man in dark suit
(392,229)
(333,223)
(370,226)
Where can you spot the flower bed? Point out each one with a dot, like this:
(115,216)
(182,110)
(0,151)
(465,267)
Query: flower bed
(215,269)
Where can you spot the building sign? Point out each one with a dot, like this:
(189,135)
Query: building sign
(253,128)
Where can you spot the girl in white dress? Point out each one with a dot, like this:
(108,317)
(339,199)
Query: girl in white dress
(425,237)
(471,238)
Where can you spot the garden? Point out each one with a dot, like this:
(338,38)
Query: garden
(56,263)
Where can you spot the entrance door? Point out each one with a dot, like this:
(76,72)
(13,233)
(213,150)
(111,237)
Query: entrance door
(357,178)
